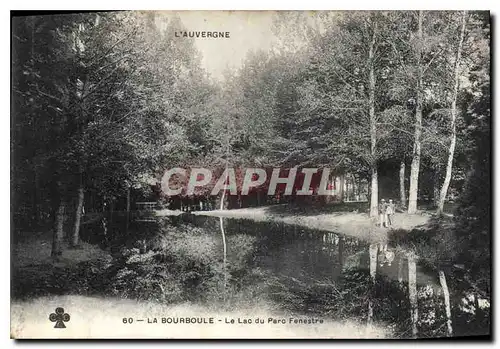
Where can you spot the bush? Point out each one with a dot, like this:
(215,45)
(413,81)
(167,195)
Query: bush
(182,263)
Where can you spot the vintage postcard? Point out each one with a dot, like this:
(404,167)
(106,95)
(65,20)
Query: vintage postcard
(251,174)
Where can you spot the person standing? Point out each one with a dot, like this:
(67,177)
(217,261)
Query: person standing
(382,207)
(391,209)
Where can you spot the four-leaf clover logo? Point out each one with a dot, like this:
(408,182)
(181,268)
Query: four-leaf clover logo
(59,317)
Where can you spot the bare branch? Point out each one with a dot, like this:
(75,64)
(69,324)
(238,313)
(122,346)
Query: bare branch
(432,59)
(400,58)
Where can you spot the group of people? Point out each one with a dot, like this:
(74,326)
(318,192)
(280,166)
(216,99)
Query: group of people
(386,212)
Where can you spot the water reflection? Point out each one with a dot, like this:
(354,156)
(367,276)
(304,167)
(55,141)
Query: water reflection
(329,274)
(287,267)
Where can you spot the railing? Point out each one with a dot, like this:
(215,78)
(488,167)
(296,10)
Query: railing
(146,206)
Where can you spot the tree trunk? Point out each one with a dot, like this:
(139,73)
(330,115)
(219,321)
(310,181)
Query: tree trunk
(36,207)
(127,218)
(374,195)
(451,150)
(373,261)
(402,190)
(442,281)
(90,201)
(373,129)
(436,187)
(354,187)
(478,311)
(75,238)
(222,198)
(415,163)
(412,289)
(58,230)
(341,252)
(104,222)
(223,242)
(111,210)
(400,270)
(373,251)
(341,188)
(346,194)
(359,187)
(224,257)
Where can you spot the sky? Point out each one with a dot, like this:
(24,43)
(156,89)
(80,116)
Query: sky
(249,30)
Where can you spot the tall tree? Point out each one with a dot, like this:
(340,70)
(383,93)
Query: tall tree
(473,214)
(415,162)
(453,112)
(107,96)
(343,115)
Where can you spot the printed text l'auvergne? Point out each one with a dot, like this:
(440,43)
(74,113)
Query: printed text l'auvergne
(203,34)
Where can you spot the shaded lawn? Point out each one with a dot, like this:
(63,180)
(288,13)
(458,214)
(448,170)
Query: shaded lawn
(36,250)
(35,272)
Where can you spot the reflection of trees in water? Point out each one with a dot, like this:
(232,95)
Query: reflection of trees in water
(428,299)
(224,246)
(389,287)
(308,272)
(412,292)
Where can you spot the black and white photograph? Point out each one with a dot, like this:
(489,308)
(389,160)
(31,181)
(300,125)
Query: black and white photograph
(250,175)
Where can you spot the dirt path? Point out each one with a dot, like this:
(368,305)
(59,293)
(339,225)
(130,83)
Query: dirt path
(353,224)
